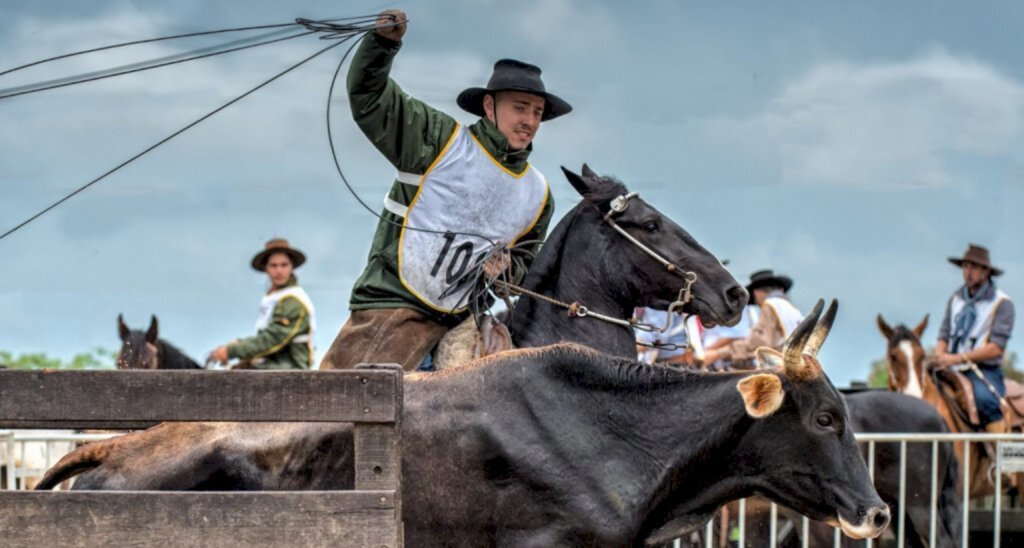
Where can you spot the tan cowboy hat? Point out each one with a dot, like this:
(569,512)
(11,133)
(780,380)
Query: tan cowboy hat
(512,75)
(978,255)
(277,245)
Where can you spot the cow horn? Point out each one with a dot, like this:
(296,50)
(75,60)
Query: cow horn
(794,345)
(821,330)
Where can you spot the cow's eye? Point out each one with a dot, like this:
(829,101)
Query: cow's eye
(825,420)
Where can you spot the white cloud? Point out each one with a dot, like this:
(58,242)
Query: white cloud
(893,124)
(567,25)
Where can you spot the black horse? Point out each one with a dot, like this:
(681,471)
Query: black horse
(146,350)
(586,260)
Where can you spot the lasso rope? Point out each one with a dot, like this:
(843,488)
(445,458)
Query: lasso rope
(341,34)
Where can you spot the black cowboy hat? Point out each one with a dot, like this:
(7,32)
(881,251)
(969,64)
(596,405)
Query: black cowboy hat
(978,255)
(277,245)
(769,278)
(512,75)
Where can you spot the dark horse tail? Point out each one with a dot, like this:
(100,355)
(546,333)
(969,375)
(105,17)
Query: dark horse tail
(80,460)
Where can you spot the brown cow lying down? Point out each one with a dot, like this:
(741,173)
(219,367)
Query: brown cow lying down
(554,446)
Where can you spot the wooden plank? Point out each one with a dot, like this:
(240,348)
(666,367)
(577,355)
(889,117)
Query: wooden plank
(378,449)
(106,399)
(312,518)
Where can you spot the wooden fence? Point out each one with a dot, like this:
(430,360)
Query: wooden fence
(370,397)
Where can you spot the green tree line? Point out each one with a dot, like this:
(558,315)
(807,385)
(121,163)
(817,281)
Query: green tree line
(97,358)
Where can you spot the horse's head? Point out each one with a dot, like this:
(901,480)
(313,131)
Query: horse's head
(905,355)
(717,297)
(803,424)
(138,349)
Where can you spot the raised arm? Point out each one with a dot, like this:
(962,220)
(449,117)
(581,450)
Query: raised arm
(407,131)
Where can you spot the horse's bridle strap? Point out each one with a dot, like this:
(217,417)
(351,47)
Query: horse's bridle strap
(618,205)
(578,310)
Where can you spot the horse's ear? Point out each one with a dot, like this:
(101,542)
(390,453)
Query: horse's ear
(122,328)
(884,327)
(589,173)
(579,183)
(152,332)
(919,330)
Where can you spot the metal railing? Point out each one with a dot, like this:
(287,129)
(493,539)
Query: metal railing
(739,531)
(18,446)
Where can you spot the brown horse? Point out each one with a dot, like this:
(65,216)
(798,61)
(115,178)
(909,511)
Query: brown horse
(910,374)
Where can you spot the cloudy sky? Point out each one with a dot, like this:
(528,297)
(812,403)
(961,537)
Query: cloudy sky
(853,147)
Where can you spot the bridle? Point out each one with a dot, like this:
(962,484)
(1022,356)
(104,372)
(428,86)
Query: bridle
(619,205)
(577,310)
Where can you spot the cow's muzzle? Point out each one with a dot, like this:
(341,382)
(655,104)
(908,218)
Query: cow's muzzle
(872,522)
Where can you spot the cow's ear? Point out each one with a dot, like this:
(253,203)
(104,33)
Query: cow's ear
(762,394)
(769,358)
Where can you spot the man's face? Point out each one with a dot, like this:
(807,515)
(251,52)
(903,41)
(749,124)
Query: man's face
(760,294)
(517,115)
(279,269)
(975,274)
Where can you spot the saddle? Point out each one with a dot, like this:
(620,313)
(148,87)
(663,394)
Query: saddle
(954,385)
(469,341)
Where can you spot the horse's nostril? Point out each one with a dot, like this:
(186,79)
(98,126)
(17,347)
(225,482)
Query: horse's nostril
(736,296)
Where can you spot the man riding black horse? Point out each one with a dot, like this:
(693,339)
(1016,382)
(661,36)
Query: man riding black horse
(458,191)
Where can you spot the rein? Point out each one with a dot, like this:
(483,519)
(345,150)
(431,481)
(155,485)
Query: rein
(579,310)
(950,400)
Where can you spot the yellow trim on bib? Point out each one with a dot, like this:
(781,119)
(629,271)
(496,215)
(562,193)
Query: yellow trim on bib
(401,236)
(295,330)
(536,218)
(496,162)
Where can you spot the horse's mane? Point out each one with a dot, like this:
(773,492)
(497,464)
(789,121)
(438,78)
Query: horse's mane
(174,358)
(545,268)
(609,189)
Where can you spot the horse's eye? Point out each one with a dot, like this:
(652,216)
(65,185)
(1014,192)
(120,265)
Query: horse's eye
(825,420)
(651,226)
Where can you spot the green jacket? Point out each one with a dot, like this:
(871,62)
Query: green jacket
(411,135)
(274,347)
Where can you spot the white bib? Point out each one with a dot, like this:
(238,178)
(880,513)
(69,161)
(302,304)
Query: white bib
(977,335)
(465,190)
(788,314)
(269,303)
